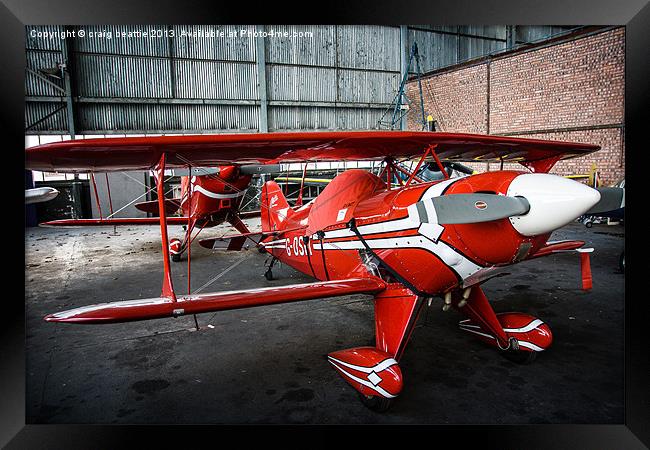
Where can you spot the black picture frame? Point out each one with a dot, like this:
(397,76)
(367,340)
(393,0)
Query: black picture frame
(634,14)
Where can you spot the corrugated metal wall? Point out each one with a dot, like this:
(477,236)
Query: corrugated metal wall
(203,80)
(442,46)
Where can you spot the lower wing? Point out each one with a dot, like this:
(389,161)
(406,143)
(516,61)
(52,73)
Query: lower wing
(155,308)
(117,221)
(558,247)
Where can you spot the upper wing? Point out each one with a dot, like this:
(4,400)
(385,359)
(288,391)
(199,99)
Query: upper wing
(142,153)
(154,308)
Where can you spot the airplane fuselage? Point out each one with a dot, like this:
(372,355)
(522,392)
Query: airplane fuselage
(212,199)
(395,226)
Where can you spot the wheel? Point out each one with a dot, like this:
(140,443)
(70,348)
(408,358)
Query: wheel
(176,257)
(589,224)
(376,403)
(268,275)
(519,356)
(621,262)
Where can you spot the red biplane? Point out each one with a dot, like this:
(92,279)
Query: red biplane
(400,239)
(209,197)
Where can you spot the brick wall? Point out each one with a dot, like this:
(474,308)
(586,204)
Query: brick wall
(571,91)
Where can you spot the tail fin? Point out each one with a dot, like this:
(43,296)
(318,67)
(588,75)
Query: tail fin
(274,208)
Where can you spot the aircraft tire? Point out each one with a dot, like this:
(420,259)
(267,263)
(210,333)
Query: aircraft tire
(519,356)
(268,275)
(376,403)
(176,258)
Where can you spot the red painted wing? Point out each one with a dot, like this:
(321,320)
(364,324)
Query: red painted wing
(142,153)
(114,222)
(154,308)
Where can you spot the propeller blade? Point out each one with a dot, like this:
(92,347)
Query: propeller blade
(252,169)
(611,198)
(461,168)
(471,208)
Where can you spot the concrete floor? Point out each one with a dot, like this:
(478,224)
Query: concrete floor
(267,365)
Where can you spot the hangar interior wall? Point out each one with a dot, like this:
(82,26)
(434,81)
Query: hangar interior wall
(570,91)
(333,78)
(338,77)
(224,78)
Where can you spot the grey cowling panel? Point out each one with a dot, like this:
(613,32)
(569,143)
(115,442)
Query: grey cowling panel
(472,208)
(611,198)
(252,169)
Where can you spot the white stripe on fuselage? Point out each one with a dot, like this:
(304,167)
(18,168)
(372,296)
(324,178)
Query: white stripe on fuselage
(213,195)
(457,262)
(411,221)
(427,239)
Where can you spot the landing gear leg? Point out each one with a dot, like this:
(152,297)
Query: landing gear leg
(179,246)
(533,334)
(269,272)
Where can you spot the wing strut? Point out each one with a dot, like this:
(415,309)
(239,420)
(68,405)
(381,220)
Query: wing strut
(302,185)
(99,205)
(108,188)
(167,287)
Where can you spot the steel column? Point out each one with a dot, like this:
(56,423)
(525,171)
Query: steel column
(260,48)
(404,60)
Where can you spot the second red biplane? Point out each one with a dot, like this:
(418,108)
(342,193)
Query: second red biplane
(209,197)
(403,243)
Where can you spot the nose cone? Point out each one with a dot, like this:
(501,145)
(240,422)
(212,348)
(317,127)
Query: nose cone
(554,202)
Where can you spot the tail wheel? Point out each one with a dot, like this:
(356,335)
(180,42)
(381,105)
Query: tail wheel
(376,403)
(175,246)
(519,356)
(269,272)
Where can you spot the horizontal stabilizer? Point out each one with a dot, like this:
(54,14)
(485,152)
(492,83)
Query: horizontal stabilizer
(114,222)
(230,242)
(171,206)
(471,208)
(233,244)
(248,214)
(611,198)
(224,241)
(155,308)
